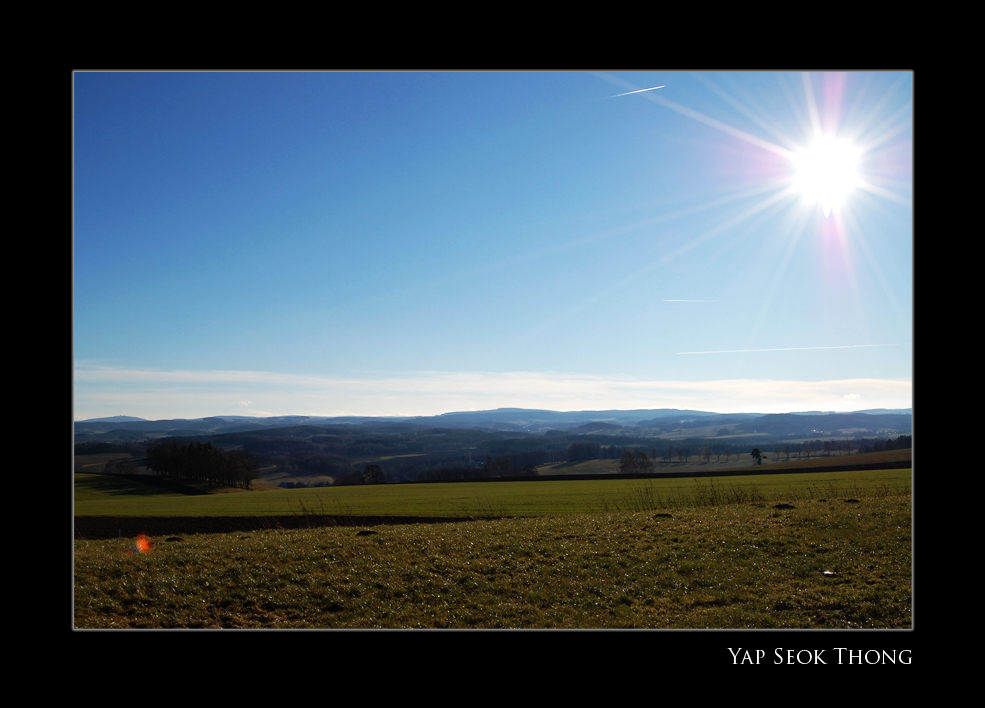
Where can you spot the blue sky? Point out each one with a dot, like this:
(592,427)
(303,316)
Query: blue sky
(417,243)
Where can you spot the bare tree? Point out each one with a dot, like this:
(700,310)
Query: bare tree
(373,474)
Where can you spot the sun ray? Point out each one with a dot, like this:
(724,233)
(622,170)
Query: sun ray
(707,120)
(863,125)
(812,112)
(833,91)
(748,112)
(884,193)
(836,159)
(847,254)
(628,228)
(799,227)
(723,127)
(887,129)
(729,223)
(873,262)
(531,333)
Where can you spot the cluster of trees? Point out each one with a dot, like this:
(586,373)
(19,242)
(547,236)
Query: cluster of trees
(446,474)
(372,474)
(520,460)
(123,466)
(580,452)
(308,462)
(818,448)
(202,463)
(502,466)
(635,463)
(901,443)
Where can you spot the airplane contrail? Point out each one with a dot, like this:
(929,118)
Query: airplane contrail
(652,88)
(788,349)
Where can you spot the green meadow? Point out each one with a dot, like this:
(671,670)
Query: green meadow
(102,495)
(826,565)
(811,550)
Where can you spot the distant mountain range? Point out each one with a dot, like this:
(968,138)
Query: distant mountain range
(114,419)
(521,420)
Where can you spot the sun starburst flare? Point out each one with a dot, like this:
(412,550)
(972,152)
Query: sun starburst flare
(827,171)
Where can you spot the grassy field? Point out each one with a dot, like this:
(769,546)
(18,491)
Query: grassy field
(804,550)
(820,564)
(100,495)
(96,463)
(735,462)
(905,455)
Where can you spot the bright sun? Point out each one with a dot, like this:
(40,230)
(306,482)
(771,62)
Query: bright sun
(827,171)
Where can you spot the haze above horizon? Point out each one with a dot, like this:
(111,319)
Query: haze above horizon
(401,244)
(519,411)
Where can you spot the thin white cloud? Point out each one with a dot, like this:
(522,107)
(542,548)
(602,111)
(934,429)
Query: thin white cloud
(788,349)
(153,394)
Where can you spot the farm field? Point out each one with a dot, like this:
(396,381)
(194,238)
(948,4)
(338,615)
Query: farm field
(101,495)
(811,564)
(95,463)
(803,550)
(735,462)
(868,458)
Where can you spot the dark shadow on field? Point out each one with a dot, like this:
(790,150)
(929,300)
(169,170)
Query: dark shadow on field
(101,527)
(134,485)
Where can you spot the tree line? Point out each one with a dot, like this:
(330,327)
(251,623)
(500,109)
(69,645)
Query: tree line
(818,448)
(95,448)
(202,463)
(901,443)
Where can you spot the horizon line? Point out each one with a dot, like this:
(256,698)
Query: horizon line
(485,410)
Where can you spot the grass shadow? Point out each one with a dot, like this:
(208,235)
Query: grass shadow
(132,485)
